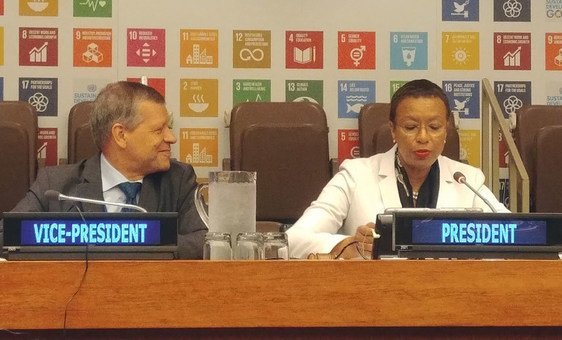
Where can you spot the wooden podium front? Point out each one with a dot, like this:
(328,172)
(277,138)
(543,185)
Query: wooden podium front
(321,295)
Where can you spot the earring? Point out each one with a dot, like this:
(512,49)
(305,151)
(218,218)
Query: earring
(394,141)
(445,141)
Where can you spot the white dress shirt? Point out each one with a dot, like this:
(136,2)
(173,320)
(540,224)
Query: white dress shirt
(110,179)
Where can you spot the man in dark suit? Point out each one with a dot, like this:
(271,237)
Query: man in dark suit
(131,127)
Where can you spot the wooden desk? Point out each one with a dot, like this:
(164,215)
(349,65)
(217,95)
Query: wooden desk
(317,294)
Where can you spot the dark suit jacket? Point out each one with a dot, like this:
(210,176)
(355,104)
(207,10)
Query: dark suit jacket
(169,191)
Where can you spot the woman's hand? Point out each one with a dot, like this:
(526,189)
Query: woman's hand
(358,246)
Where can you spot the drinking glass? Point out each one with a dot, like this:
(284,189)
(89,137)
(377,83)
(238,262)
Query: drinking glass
(249,246)
(276,246)
(217,246)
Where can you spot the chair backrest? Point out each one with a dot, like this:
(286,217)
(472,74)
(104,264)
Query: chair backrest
(287,144)
(548,182)
(375,136)
(18,151)
(530,119)
(80,141)
(372,117)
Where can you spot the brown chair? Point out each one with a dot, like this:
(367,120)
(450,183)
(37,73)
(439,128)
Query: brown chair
(530,119)
(372,117)
(268,226)
(548,182)
(287,144)
(80,141)
(18,151)
(375,136)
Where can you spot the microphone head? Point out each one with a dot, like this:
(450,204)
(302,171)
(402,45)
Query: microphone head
(459,177)
(52,195)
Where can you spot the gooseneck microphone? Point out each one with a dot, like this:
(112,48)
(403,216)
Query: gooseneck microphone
(460,178)
(54,195)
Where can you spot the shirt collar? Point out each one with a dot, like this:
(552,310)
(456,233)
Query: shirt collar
(110,177)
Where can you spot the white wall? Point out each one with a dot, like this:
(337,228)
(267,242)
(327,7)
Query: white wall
(329,16)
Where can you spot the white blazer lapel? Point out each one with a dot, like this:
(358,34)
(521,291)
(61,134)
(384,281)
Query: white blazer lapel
(448,189)
(387,178)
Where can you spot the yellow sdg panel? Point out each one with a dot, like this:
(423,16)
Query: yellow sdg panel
(470,146)
(199,146)
(251,49)
(45,8)
(199,48)
(460,50)
(1,45)
(199,97)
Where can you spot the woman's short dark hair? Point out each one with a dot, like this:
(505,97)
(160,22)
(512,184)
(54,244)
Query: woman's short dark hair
(417,88)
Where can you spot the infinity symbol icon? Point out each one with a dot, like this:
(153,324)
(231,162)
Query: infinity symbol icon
(256,54)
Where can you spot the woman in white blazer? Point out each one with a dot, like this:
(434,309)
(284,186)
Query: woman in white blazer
(411,174)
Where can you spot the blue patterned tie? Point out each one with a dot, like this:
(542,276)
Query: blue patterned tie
(130,189)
